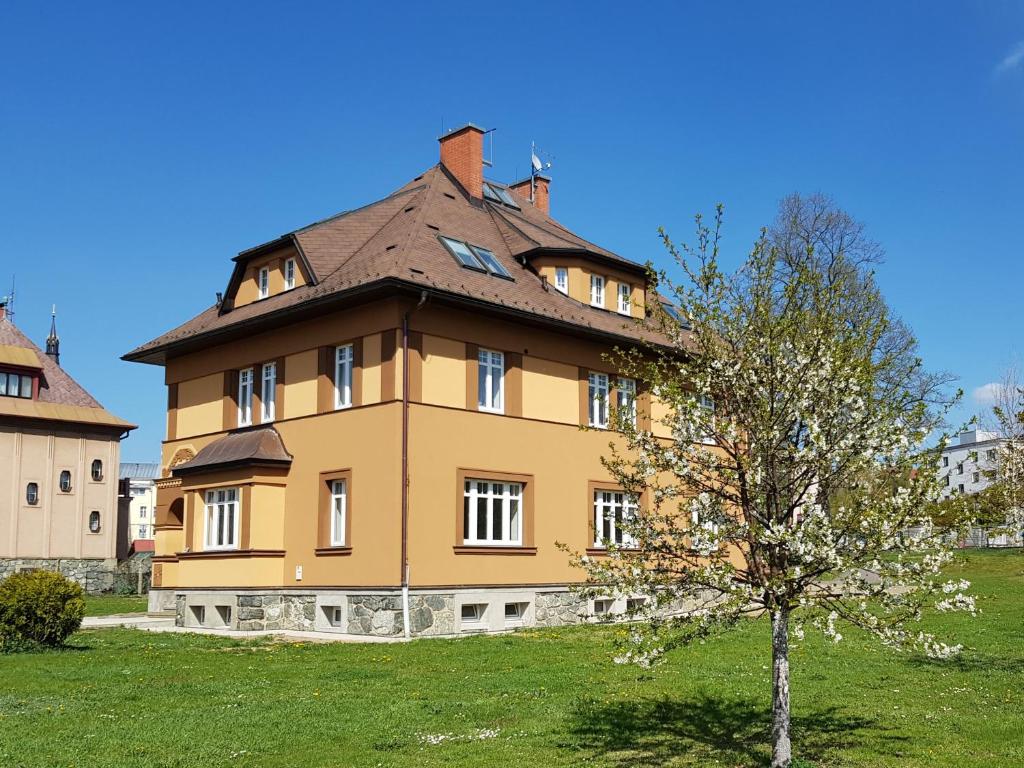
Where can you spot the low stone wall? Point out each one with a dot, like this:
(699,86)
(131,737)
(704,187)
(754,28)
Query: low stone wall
(95,575)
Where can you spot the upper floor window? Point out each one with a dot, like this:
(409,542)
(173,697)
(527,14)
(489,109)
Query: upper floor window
(625,291)
(94,521)
(339,509)
(97,470)
(945,461)
(626,400)
(491,381)
(562,279)
(143,531)
(16,385)
(268,394)
(65,481)
(707,404)
(960,468)
(598,399)
(245,397)
(32,493)
(343,357)
(990,454)
(289,274)
(263,282)
(142,512)
(492,513)
(221,519)
(611,510)
(597,290)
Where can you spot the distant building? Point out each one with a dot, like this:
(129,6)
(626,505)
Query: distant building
(142,496)
(58,451)
(968,464)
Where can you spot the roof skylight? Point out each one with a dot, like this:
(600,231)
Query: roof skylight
(491,193)
(499,195)
(475,257)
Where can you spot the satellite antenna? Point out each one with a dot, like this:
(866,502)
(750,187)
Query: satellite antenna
(536,167)
(8,302)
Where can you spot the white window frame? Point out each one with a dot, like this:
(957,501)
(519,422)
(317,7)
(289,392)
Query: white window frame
(343,362)
(245,397)
(490,365)
(143,530)
(339,511)
(625,298)
(562,280)
(625,399)
(610,507)
(708,404)
(597,291)
(289,274)
(263,282)
(268,393)
(597,390)
(510,497)
(222,513)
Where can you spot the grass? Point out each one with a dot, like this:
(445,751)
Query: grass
(108,605)
(551,698)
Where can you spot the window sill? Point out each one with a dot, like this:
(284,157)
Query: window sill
(602,552)
(332,551)
(497,549)
(210,554)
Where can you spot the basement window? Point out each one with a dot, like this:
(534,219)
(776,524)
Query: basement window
(602,607)
(472,612)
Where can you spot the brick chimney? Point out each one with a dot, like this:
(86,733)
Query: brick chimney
(462,153)
(541,195)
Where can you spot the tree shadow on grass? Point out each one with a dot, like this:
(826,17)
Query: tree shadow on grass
(971,661)
(649,732)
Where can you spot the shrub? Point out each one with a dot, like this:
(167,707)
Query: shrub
(38,608)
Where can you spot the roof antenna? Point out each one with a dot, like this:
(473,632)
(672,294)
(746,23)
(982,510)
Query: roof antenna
(536,166)
(488,157)
(8,302)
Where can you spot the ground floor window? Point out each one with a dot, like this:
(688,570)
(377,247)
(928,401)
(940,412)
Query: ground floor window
(492,513)
(611,510)
(222,519)
(339,508)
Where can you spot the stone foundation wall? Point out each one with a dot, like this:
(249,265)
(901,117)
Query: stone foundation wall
(382,615)
(265,612)
(95,575)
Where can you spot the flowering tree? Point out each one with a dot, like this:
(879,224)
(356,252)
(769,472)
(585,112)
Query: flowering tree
(799,410)
(1007,489)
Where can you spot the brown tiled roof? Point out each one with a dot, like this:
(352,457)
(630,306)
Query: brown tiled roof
(61,398)
(254,446)
(396,239)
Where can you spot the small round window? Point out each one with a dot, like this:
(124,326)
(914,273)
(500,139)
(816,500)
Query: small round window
(32,493)
(97,470)
(65,481)
(94,522)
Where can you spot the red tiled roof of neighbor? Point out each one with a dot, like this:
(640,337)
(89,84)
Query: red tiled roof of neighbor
(143,545)
(395,240)
(61,398)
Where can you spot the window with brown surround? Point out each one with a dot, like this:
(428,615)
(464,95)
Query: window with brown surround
(511,385)
(254,394)
(327,391)
(334,525)
(487,503)
(611,502)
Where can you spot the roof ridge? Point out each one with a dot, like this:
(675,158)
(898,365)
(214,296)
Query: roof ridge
(349,212)
(402,258)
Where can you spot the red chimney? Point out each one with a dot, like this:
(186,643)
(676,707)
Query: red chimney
(541,193)
(462,153)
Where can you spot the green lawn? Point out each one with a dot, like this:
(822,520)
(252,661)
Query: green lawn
(539,698)
(108,605)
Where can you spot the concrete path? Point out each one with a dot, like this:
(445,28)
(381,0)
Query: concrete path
(166,624)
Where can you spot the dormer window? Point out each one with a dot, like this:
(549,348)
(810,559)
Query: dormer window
(263,282)
(625,290)
(562,279)
(289,274)
(15,385)
(597,291)
(474,257)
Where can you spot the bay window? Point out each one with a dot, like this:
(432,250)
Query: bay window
(598,399)
(491,381)
(221,519)
(611,510)
(245,397)
(492,513)
(343,357)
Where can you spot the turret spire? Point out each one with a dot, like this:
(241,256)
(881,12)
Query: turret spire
(53,340)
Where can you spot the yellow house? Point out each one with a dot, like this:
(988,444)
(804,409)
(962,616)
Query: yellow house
(377,428)
(59,451)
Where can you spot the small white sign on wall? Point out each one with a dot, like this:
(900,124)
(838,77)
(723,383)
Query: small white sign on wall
(298,573)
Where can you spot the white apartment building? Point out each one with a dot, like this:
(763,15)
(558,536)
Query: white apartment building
(968,462)
(142,514)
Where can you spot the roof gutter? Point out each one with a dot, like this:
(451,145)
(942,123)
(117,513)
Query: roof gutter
(405,461)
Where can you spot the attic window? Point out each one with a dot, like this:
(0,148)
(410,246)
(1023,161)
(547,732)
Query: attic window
(15,385)
(499,195)
(474,257)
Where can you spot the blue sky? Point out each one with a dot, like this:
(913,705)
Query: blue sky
(143,145)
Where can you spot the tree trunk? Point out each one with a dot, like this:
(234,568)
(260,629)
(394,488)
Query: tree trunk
(782,753)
